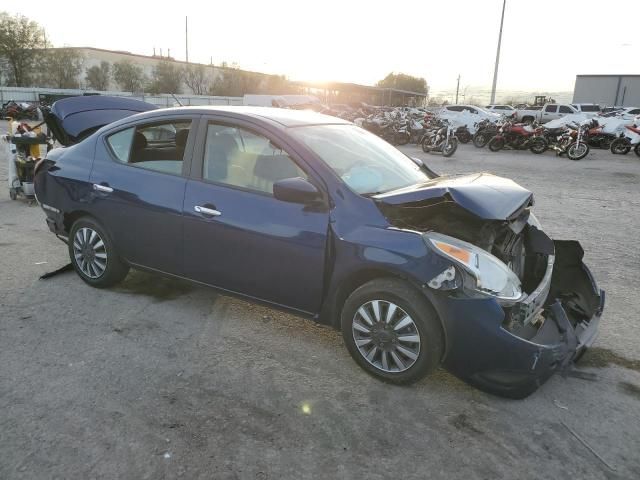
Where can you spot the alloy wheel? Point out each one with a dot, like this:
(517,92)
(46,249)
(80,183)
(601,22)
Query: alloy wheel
(386,336)
(90,252)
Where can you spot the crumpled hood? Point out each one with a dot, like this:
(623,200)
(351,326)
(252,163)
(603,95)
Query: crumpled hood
(72,119)
(487,196)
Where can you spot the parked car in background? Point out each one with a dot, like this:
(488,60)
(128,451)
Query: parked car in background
(589,109)
(314,215)
(550,111)
(506,110)
(450,111)
(624,113)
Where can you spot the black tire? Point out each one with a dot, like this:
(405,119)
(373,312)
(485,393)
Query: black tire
(636,150)
(115,269)
(574,154)
(527,120)
(538,145)
(480,140)
(451,148)
(425,145)
(13,194)
(425,321)
(463,137)
(620,146)
(496,144)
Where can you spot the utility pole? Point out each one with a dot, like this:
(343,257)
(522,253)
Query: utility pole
(495,71)
(457,89)
(186,39)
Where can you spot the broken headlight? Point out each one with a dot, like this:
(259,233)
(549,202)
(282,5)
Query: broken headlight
(484,273)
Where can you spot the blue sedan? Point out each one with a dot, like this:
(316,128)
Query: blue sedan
(312,214)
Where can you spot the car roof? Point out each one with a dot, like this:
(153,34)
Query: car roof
(283,116)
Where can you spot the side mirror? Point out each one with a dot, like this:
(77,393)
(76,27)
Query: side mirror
(296,190)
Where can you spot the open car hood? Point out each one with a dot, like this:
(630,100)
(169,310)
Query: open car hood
(72,119)
(484,195)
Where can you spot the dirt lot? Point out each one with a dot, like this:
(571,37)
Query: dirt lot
(162,379)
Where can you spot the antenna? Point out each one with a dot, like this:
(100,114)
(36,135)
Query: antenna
(176,99)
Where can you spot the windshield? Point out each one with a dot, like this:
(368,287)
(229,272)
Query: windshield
(365,162)
(590,108)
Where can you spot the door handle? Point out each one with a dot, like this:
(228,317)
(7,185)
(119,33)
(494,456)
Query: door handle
(102,188)
(207,211)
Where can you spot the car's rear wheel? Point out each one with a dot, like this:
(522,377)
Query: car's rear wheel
(93,254)
(392,331)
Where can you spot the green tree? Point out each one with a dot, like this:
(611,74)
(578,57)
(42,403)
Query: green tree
(129,77)
(20,38)
(166,78)
(61,67)
(98,76)
(403,81)
(196,78)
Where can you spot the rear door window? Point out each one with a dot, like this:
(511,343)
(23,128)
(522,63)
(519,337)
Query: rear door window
(159,146)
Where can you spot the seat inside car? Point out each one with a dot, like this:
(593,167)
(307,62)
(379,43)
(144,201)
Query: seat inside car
(272,168)
(221,149)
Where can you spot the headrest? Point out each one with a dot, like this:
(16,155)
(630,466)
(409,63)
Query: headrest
(181,137)
(139,141)
(223,141)
(275,167)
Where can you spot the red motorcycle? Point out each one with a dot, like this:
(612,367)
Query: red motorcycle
(623,144)
(519,137)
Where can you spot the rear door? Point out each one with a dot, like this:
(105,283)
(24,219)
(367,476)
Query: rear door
(237,236)
(139,180)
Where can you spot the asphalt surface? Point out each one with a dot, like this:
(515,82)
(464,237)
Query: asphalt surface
(162,379)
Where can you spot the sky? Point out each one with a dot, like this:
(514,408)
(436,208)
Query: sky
(545,42)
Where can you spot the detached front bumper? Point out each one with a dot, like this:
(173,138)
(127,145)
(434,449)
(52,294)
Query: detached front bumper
(484,353)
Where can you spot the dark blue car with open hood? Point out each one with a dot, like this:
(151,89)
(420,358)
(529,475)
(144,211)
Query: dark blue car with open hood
(312,214)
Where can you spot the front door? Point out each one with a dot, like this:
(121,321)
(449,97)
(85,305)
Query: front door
(237,236)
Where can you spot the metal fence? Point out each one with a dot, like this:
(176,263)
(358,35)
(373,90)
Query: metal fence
(20,94)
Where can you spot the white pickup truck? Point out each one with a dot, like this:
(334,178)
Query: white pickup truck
(550,111)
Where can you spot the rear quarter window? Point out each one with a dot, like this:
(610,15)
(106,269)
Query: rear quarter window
(120,143)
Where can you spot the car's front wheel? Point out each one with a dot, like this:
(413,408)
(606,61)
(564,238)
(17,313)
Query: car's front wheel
(392,331)
(93,254)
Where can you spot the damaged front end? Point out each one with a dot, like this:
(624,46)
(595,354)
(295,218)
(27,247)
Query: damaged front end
(516,306)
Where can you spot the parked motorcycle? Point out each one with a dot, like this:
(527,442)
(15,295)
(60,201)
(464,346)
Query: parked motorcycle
(485,131)
(440,139)
(518,137)
(623,144)
(390,131)
(572,142)
(596,137)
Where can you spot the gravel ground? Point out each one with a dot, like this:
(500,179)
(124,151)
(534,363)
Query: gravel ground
(162,379)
